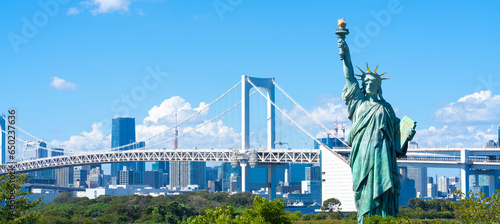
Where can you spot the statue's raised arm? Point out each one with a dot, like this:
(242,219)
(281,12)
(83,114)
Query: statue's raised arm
(344,53)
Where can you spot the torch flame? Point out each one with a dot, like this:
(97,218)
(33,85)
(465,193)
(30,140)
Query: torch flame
(342,22)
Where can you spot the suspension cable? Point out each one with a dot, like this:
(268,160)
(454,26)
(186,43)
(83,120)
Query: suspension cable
(197,127)
(301,128)
(30,135)
(182,122)
(48,149)
(305,111)
(147,139)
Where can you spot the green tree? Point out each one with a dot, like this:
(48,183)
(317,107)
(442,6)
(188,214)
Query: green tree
(13,200)
(477,208)
(331,205)
(264,211)
(261,212)
(217,216)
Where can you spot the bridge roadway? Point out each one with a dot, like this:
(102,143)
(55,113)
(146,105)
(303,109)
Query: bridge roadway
(478,158)
(152,155)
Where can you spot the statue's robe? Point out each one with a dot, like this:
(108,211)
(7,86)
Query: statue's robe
(375,142)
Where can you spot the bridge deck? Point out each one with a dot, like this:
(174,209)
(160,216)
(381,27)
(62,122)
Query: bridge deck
(416,157)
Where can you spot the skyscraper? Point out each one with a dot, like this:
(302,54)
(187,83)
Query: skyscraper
(57,152)
(80,178)
(152,179)
(3,160)
(35,150)
(63,176)
(123,133)
(442,185)
(498,137)
(129,177)
(313,173)
(184,173)
(419,174)
(163,166)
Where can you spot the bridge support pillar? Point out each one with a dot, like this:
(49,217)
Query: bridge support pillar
(268,85)
(271,180)
(245,176)
(464,171)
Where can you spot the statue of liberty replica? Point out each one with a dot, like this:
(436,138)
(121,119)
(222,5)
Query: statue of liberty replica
(377,138)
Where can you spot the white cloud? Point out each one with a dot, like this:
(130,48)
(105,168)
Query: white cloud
(107,6)
(456,136)
(94,140)
(162,118)
(477,107)
(61,84)
(72,11)
(468,122)
(165,113)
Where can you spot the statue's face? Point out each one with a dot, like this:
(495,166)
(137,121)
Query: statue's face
(371,85)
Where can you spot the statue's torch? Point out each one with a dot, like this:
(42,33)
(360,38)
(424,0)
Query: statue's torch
(341,33)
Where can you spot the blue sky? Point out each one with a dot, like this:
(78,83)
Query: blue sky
(67,77)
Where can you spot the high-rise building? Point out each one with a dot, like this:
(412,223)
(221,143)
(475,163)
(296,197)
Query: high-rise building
(96,170)
(224,174)
(498,137)
(124,177)
(313,173)
(211,173)
(57,152)
(419,175)
(491,144)
(64,176)
(106,180)
(233,183)
(407,190)
(296,173)
(442,185)
(96,180)
(163,166)
(3,159)
(312,188)
(91,167)
(129,177)
(80,178)
(152,179)
(432,190)
(34,150)
(123,133)
(53,153)
(430,180)
(184,173)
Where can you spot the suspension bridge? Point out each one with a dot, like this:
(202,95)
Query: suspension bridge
(336,173)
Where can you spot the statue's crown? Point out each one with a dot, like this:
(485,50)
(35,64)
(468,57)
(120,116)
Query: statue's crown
(374,73)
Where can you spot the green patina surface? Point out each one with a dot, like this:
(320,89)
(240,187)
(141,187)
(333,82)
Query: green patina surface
(375,140)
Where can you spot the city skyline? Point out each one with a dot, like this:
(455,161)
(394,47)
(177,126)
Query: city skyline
(185,55)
